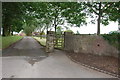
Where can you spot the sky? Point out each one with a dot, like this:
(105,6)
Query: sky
(92,28)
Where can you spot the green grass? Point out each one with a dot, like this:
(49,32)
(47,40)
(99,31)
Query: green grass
(42,41)
(0,42)
(7,41)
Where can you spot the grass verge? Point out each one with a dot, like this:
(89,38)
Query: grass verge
(7,41)
(42,41)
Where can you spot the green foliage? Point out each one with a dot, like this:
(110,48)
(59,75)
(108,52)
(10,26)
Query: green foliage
(78,32)
(112,38)
(69,31)
(113,12)
(45,15)
(114,32)
(59,30)
(28,29)
(7,41)
(12,17)
(42,33)
(104,11)
(74,14)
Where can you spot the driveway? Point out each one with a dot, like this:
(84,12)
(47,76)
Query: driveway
(26,47)
(27,59)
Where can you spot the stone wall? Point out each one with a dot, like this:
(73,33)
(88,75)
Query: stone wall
(50,41)
(92,44)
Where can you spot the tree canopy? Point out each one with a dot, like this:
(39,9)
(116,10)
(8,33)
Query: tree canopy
(46,15)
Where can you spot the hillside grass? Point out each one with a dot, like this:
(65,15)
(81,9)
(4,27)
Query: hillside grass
(7,41)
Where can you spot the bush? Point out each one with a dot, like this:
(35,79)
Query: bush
(112,38)
(69,31)
(42,33)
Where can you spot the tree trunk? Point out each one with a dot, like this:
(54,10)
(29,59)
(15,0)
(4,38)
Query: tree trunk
(12,33)
(55,25)
(55,21)
(9,31)
(3,34)
(55,28)
(98,26)
(5,26)
(5,30)
(47,29)
(99,19)
(119,24)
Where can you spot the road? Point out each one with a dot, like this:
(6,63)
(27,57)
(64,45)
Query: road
(27,59)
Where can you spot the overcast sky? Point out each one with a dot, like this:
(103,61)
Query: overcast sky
(92,28)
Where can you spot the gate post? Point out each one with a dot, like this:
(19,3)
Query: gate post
(67,36)
(50,41)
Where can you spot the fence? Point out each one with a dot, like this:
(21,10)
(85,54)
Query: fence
(59,41)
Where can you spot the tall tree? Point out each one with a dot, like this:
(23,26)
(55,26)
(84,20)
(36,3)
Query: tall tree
(114,14)
(55,14)
(104,12)
(11,12)
(74,13)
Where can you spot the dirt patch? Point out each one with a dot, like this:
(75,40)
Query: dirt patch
(106,63)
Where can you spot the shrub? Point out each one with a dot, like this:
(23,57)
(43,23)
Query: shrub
(112,38)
